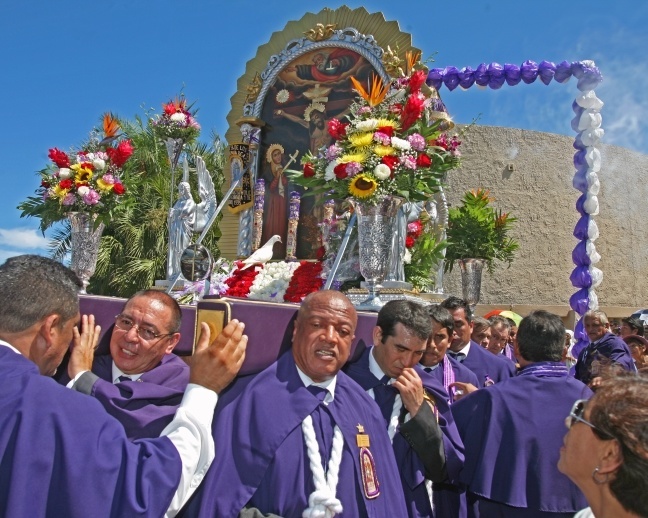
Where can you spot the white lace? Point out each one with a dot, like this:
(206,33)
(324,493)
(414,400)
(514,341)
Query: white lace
(322,503)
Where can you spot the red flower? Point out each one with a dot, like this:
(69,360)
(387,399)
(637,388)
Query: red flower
(416,81)
(412,110)
(118,188)
(387,130)
(321,253)
(337,129)
(423,160)
(118,156)
(59,157)
(390,161)
(409,241)
(66,184)
(45,183)
(309,170)
(340,171)
(306,279)
(415,228)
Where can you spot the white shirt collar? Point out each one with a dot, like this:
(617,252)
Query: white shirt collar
(329,385)
(7,344)
(466,349)
(116,373)
(374,368)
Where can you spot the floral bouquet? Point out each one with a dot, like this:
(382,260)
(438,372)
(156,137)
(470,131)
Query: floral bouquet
(393,144)
(176,121)
(87,180)
(422,253)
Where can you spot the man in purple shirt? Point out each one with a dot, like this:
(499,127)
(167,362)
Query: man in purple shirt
(141,382)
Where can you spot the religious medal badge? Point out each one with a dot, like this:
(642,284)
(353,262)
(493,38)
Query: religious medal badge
(90,179)
(370,482)
(177,121)
(391,144)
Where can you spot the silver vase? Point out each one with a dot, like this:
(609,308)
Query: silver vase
(85,239)
(375,230)
(471,275)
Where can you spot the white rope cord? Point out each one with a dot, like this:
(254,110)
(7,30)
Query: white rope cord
(322,503)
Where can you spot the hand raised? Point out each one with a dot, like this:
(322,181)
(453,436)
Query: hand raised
(410,386)
(215,364)
(84,345)
(461,389)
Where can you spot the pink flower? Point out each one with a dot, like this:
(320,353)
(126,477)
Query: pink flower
(382,138)
(332,152)
(417,141)
(91,197)
(353,168)
(69,199)
(408,162)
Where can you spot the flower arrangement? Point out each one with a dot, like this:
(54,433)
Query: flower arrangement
(422,253)
(87,180)
(176,121)
(479,231)
(392,144)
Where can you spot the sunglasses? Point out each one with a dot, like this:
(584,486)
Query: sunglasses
(576,414)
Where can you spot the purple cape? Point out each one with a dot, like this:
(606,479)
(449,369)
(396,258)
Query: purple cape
(513,441)
(61,454)
(487,365)
(411,466)
(261,457)
(461,373)
(610,348)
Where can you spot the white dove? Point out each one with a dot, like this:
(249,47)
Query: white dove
(263,254)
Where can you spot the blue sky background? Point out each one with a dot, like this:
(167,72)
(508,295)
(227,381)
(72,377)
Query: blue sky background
(65,63)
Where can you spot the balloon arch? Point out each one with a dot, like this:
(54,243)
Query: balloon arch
(587,159)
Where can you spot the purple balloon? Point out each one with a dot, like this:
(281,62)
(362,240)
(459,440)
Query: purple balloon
(466,77)
(497,76)
(451,78)
(481,75)
(579,183)
(579,254)
(563,71)
(581,277)
(579,301)
(546,71)
(578,142)
(512,73)
(581,228)
(529,71)
(435,78)
(579,159)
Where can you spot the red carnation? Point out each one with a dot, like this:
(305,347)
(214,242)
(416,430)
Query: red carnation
(59,157)
(390,161)
(416,81)
(309,170)
(340,171)
(118,188)
(423,160)
(409,241)
(118,156)
(387,130)
(337,129)
(415,228)
(66,184)
(412,111)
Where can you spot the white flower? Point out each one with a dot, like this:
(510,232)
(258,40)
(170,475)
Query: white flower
(368,125)
(382,172)
(64,173)
(83,190)
(407,257)
(282,96)
(98,163)
(401,144)
(329,174)
(179,117)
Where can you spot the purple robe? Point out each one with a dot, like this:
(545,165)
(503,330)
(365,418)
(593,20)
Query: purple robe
(412,467)
(609,349)
(512,433)
(486,365)
(261,458)
(461,373)
(62,455)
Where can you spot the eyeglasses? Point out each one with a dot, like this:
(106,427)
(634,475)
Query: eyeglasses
(126,324)
(576,414)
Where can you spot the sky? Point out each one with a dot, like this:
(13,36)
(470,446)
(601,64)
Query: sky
(64,63)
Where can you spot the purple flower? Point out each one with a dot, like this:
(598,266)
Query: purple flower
(417,141)
(332,152)
(353,168)
(91,197)
(69,199)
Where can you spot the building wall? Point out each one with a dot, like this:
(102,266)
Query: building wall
(539,192)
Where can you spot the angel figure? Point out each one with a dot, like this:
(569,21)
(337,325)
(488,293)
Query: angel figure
(207,206)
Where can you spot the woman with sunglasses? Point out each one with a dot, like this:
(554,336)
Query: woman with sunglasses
(605,451)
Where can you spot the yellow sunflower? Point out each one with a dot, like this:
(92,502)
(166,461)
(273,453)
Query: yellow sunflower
(103,185)
(362,186)
(60,193)
(83,174)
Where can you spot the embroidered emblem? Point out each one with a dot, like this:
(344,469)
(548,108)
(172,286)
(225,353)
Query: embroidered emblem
(370,482)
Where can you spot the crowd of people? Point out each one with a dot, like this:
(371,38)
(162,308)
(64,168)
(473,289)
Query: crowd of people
(439,413)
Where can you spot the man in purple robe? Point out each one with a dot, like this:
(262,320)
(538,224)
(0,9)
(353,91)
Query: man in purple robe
(413,404)
(300,436)
(513,430)
(61,454)
(488,368)
(605,350)
(141,382)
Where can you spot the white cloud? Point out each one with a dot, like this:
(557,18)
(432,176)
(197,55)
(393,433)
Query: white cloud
(22,239)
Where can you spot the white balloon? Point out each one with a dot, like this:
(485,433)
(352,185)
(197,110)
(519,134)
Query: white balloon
(589,120)
(592,230)
(591,205)
(593,255)
(588,100)
(593,184)
(597,276)
(593,299)
(593,158)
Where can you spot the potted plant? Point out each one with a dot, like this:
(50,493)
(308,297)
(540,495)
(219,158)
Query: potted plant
(478,235)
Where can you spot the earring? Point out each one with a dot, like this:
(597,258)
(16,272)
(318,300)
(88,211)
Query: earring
(596,477)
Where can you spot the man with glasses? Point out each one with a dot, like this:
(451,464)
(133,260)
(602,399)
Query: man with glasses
(141,383)
(512,431)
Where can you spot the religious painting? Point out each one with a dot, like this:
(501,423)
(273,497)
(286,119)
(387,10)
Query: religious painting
(308,92)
